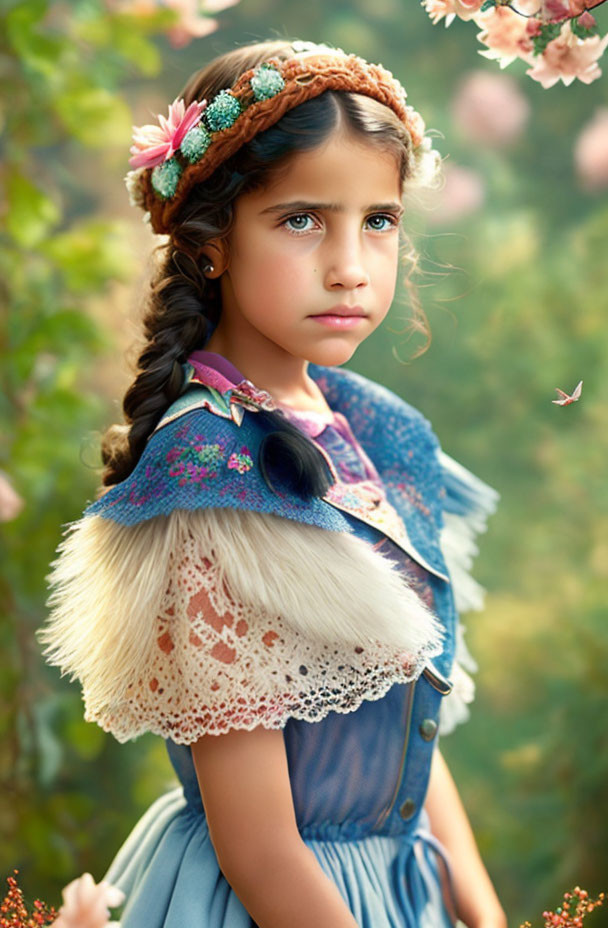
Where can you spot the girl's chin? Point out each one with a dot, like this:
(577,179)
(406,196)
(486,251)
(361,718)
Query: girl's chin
(332,352)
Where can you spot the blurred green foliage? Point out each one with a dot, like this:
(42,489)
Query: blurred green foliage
(516,298)
(67,789)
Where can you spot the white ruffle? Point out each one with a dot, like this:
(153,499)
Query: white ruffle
(468,503)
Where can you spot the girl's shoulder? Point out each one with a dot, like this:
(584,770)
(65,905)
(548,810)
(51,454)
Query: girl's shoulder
(397,436)
(204,451)
(403,438)
(370,407)
(204,454)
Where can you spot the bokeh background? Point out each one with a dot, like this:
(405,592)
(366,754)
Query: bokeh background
(514,281)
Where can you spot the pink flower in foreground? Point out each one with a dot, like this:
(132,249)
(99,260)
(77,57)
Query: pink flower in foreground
(192,24)
(587,20)
(489,109)
(464,9)
(86,904)
(462,195)
(507,35)
(591,152)
(155,144)
(11,503)
(567,57)
(216,6)
(554,11)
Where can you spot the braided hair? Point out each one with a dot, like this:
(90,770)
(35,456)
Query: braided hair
(184,306)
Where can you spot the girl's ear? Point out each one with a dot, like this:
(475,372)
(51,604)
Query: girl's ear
(214,258)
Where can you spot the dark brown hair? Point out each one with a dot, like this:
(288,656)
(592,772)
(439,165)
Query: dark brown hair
(184,306)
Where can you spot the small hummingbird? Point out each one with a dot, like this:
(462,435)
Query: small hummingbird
(565,399)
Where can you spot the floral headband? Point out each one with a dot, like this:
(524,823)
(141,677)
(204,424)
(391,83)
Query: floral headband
(169,159)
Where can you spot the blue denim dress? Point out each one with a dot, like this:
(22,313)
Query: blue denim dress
(358,779)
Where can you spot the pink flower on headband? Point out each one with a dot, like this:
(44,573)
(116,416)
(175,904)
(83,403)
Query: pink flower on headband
(155,144)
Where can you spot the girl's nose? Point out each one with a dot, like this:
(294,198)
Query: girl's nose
(345,268)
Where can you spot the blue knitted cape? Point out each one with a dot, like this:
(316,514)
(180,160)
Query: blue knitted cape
(200,457)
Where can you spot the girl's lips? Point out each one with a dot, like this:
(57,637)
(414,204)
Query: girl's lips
(338,322)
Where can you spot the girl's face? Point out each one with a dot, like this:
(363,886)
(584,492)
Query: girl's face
(319,242)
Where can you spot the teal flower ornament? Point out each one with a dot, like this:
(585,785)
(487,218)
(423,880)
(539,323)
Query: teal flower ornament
(165,176)
(223,111)
(195,144)
(267,82)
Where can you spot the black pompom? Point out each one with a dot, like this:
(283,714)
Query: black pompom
(289,461)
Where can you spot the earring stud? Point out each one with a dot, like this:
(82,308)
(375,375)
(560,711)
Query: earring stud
(208,269)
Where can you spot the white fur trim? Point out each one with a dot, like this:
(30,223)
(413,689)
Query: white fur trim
(458,542)
(455,706)
(459,549)
(109,582)
(460,531)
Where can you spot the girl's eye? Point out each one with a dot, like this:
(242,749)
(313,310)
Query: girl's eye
(382,222)
(298,223)
(301,223)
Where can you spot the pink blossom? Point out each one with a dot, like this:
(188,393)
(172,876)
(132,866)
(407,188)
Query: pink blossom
(489,109)
(507,35)
(567,57)
(11,503)
(216,6)
(86,905)
(191,24)
(462,195)
(587,20)
(554,11)
(192,21)
(591,152)
(155,144)
(464,9)
(558,10)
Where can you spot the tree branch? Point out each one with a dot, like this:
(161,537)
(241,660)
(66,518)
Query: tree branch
(591,5)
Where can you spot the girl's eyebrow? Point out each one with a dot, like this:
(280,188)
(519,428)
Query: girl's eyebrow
(304,205)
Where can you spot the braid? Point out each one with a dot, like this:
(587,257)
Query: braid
(183,307)
(174,327)
(175,323)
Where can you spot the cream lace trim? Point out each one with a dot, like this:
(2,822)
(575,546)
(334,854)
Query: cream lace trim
(218,664)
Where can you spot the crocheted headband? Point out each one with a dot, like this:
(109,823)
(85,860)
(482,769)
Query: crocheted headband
(192,142)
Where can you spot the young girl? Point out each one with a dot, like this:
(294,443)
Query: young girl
(270,579)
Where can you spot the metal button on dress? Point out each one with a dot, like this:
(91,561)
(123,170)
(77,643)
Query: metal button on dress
(428,729)
(407,808)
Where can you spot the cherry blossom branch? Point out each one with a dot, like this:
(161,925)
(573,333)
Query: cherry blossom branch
(590,5)
(558,39)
